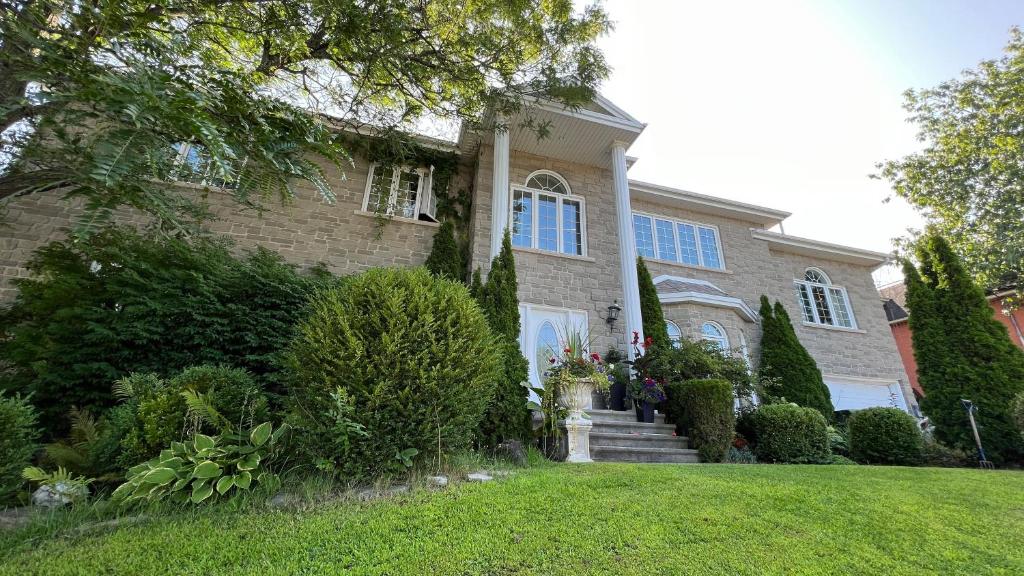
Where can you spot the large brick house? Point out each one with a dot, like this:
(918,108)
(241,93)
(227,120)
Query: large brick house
(577,222)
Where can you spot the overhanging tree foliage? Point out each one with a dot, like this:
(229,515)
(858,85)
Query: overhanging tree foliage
(968,181)
(962,352)
(445,259)
(93,97)
(786,363)
(650,308)
(507,417)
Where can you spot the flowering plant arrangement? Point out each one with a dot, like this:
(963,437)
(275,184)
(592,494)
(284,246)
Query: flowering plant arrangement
(576,363)
(644,387)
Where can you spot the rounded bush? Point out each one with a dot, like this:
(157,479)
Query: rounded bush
(787,433)
(885,436)
(18,443)
(412,354)
(705,409)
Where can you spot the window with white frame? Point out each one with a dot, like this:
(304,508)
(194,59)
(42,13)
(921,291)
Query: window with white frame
(546,216)
(674,333)
(823,303)
(400,191)
(713,332)
(193,164)
(677,241)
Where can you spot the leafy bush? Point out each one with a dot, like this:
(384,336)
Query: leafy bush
(1017,410)
(838,440)
(412,352)
(839,459)
(885,436)
(445,258)
(18,443)
(941,456)
(704,408)
(95,311)
(93,445)
(740,456)
(206,466)
(788,433)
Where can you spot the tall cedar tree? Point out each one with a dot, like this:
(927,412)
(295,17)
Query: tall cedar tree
(507,417)
(784,358)
(476,286)
(650,308)
(962,352)
(445,260)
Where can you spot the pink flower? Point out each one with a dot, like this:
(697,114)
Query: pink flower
(636,337)
(595,357)
(567,350)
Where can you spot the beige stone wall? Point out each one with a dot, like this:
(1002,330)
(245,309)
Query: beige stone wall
(753,269)
(306,231)
(590,283)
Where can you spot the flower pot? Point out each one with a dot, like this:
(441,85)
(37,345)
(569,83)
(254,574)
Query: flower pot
(649,412)
(639,411)
(577,397)
(617,396)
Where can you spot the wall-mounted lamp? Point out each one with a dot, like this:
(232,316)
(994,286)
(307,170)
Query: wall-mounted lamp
(613,314)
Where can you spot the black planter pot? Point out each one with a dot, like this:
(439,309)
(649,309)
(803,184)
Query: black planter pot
(649,412)
(639,411)
(617,396)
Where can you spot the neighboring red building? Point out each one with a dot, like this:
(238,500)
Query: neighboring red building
(894,302)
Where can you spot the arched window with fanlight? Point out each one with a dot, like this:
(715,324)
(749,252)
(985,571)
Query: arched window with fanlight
(547,216)
(822,302)
(713,332)
(674,333)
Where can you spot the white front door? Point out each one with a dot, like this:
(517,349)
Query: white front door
(541,332)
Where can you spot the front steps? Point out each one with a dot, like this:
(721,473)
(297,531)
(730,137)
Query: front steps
(618,437)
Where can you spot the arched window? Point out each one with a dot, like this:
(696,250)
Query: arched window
(546,216)
(547,348)
(674,333)
(823,303)
(713,332)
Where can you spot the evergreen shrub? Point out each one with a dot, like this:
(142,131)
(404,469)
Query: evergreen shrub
(885,436)
(787,433)
(705,409)
(413,355)
(445,258)
(650,308)
(18,443)
(786,362)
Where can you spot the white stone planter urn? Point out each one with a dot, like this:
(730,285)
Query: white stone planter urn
(577,397)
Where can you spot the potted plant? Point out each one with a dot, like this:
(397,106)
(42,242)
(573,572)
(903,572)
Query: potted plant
(645,390)
(576,374)
(618,375)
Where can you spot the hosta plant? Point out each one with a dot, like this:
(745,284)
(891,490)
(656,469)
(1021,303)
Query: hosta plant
(205,468)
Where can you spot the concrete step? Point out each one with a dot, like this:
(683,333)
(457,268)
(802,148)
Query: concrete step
(619,416)
(633,454)
(613,426)
(638,440)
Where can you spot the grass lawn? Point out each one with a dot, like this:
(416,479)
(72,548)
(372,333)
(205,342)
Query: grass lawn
(594,519)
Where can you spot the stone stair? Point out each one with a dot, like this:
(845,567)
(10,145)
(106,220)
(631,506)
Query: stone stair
(618,437)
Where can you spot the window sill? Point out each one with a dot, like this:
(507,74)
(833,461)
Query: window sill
(687,266)
(396,218)
(836,328)
(554,254)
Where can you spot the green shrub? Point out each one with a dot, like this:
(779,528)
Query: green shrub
(1017,409)
(18,443)
(704,408)
(93,446)
(885,436)
(838,440)
(840,460)
(941,456)
(412,352)
(445,259)
(740,456)
(785,362)
(788,433)
(96,310)
(650,308)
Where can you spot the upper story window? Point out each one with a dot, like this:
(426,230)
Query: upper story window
(546,216)
(674,333)
(400,191)
(713,332)
(677,241)
(821,302)
(194,165)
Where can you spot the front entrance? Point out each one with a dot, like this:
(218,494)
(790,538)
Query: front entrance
(540,336)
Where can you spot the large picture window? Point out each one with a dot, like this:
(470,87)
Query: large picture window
(684,242)
(400,191)
(546,216)
(823,303)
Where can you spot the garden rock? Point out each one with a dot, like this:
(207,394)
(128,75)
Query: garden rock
(283,500)
(59,494)
(513,451)
(479,477)
(438,481)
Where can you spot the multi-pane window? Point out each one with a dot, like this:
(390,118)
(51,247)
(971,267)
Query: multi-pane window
(547,217)
(674,333)
(821,302)
(194,165)
(714,333)
(684,242)
(399,191)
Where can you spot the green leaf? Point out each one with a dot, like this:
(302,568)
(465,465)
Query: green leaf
(261,434)
(225,484)
(201,493)
(250,462)
(243,480)
(159,476)
(204,442)
(207,469)
(181,483)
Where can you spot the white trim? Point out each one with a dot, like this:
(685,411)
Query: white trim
(401,219)
(830,303)
(559,231)
(604,102)
(663,277)
(675,340)
(679,246)
(724,341)
(542,172)
(730,302)
(396,174)
(808,247)
(888,383)
(759,214)
(589,116)
(836,328)
(633,320)
(500,194)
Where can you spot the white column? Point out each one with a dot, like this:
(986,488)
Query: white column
(499,190)
(627,247)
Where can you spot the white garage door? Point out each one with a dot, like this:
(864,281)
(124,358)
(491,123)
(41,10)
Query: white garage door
(850,393)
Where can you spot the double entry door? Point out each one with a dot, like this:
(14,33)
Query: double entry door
(542,330)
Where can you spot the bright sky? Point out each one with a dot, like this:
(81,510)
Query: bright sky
(789,104)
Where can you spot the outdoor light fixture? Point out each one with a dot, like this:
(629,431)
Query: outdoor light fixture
(613,314)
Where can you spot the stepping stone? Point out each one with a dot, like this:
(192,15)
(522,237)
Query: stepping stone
(437,481)
(479,477)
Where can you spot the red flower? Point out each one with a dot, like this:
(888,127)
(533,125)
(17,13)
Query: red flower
(636,337)
(567,350)
(648,342)
(595,357)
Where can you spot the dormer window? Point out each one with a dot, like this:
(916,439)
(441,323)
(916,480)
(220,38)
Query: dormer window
(546,216)
(823,303)
(401,191)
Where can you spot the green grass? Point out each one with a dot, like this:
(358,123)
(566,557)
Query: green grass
(593,519)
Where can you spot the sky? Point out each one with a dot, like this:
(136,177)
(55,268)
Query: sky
(790,104)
